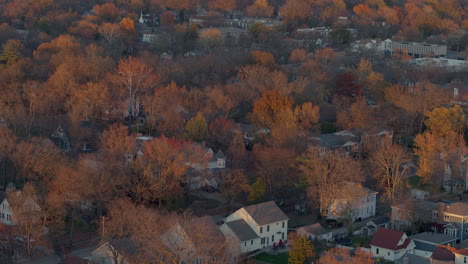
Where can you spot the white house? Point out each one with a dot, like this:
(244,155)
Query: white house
(108,253)
(256,226)
(315,232)
(391,244)
(7,216)
(355,197)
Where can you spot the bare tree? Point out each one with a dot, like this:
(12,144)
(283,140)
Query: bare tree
(28,217)
(390,164)
(326,171)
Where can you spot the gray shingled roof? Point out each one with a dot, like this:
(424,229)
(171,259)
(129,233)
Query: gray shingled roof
(433,238)
(424,246)
(381,220)
(266,213)
(242,230)
(316,229)
(332,140)
(457,209)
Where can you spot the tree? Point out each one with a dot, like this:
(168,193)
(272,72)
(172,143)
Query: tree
(434,152)
(307,115)
(196,128)
(359,115)
(234,185)
(273,109)
(298,56)
(390,165)
(11,52)
(262,58)
(325,171)
(107,12)
(302,251)
(222,131)
(135,77)
(260,8)
(442,120)
(257,191)
(273,165)
(345,256)
(29,218)
(223,5)
(346,85)
(296,10)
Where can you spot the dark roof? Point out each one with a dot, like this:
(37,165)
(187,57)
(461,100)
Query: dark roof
(316,229)
(413,259)
(332,140)
(457,208)
(242,230)
(266,213)
(69,259)
(381,220)
(424,246)
(433,238)
(2,196)
(219,155)
(388,239)
(443,253)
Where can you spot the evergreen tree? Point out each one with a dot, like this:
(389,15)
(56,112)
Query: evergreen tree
(11,51)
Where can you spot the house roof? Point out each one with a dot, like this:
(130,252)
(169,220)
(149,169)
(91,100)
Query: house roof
(333,140)
(443,253)
(316,229)
(381,220)
(462,251)
(388,239)
(354,190)
(242,230)
(219,155)
(424,246)
(266,213)
(413,259)
(416,205)
(457,208)
(433,238)
(69,259)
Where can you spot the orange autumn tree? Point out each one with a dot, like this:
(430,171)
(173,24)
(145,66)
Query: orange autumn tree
(273,109)
(260,8)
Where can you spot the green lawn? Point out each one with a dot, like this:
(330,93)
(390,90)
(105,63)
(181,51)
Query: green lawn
(414,181)
(356,241)
(273,259)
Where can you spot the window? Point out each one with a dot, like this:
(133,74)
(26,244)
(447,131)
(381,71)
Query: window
(272,238)
(262,241)
(251,242)
(268,228)
(376,251)
(261,229)
(464,259)
(388,253)
(447,217)
(282,236)
(221,163)
(283,225)
(466,230)
(245,243)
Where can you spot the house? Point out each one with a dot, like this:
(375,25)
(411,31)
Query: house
(115,252)
(455,217)
(371,226)
(443,255)
(410,214)
(256,226)
(315,232)
(416,50)
(427,242)
(30,208)
(351,142)
(446,254)
(199,241)
(60,138)
(354,198)
(419,194)
(390,244)
(412,259)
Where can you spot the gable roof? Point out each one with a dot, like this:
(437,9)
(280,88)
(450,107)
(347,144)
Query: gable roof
(457,208)
(380,221)
(316,229)
(388,239)
(266,213)
(242,230)
(443,253)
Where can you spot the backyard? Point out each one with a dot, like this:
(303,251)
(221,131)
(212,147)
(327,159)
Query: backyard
(273,259)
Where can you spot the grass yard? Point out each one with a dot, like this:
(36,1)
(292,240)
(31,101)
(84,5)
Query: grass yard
(273,259)
(356,241)
(414,181)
